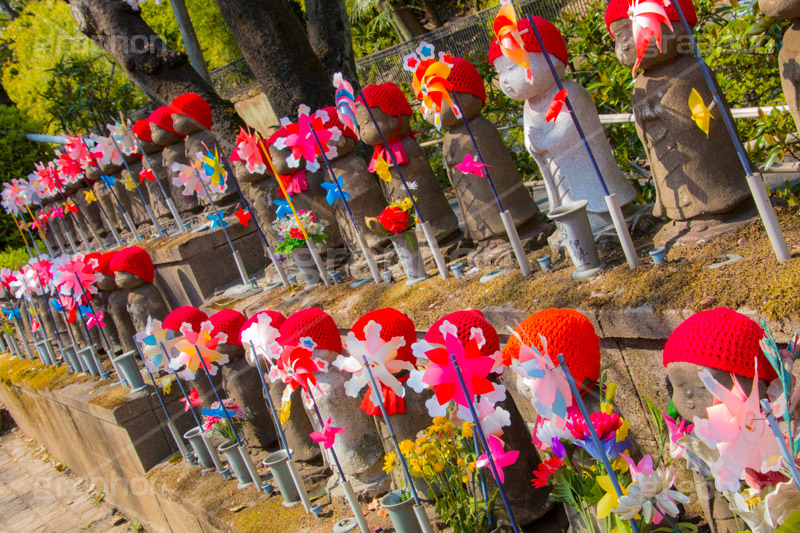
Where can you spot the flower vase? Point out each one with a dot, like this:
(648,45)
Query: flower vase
(278,464)
(195,438)
(231,452)
(409,254)
(576,235)
(305,262)
(126,363)
(401,512)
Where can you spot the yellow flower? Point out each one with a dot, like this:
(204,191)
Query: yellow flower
(753,502)
(406,447)
(461,462)
(610,500)
(611,390)
(388,464)
(607,408)
(466,430)
(439,420)
(622,432)
(471,467)
(438,467)
(465,478)
(286,407)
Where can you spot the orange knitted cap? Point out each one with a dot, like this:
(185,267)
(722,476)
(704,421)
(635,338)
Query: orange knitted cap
(388,97)
(162,117)
(722,339)
(466,79)
(553,40)
(567,332)
(393,324)
(229,322)
(314,323)
(135,261)
(618,9)
(464,321)
(277,319)
(141,128)
(186,313)
(195,107)
(333,120)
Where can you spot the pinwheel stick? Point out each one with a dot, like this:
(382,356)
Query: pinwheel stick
(21,233)
(18,320)
(60,244)
(216,394)
(145,203)
(170,424)
(40,231)
(373,268)
(505,216)
(298,483)
(484,443)
(422,517)
(312,247)
(787,456)
(50,314)
(614,209)
(105,215)
(109,349)
(754,179)
(426,229)
(85,220)
(232,179)
(348,489)
(236,257)
(593,432)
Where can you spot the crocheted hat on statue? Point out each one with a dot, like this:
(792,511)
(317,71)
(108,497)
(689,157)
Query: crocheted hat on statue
(722,339)
(619,9)
(388,98)
(315,324)
(162,117)
(393,324)
(103,262)
(185,314)
(333,121)
(229,322)
(135,261)
(141,128)
(567,332)
(465,321)
(280,132)
(466,79)
(195,107)
(277,319)
(553,40)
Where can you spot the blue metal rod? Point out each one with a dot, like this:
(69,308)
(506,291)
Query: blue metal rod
(109,187)
(180,385)
(787,456)
(216,211)
(221,404)
(152,379)
(136,185)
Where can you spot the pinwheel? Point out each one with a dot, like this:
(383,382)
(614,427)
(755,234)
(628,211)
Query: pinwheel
(301,139)
(217,220)
(155,341)
(69,170)
(214,170)
(283,208)
(109,181)
(77,152)
(381,357)
(296,368)
(470,165)
(94,319)
(249,152)
(70,206)
(42,268)
(555,107)
(500,457)
(193,400)
(243,217)
(127,181)
(12,313)
(335,191)
(121,134)
(262,336)
(76,276)
(90,196)
(701,114)
(509,38)
(189,177)
(327,436)
(382,169)
(430,80)
(206,342)
(105,152)
(57,212)
(146,174)
(24,281)
(647,17)
(345,102)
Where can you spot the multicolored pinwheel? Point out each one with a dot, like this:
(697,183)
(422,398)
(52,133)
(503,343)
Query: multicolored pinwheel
(154,340)
(430,80)
(345,102)
(203,340)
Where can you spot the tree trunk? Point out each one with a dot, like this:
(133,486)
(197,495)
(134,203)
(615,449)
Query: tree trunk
(275,46)
(403,21)
(430,12)
(329,34)
(162,73)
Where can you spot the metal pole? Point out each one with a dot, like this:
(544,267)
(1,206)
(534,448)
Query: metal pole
(216,394)
(136,185)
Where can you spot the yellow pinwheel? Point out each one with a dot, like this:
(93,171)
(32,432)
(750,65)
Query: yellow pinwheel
(382,169)
(213,169)
(90,196)
(128,181)
(701,114)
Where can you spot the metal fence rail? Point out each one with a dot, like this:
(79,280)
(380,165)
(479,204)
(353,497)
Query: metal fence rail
(468,37)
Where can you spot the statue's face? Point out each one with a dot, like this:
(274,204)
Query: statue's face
(163,137)
(106,283)
(184,125)
(672,43)
(233,351)
(514,81)
(624,46)
(471,108)
(126,280)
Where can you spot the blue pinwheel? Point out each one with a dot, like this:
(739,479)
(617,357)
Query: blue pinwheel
(56,305)
(219,413)
(84,310)
(217,220)
(12,313)
(335,191)
(283,208)
(108,180)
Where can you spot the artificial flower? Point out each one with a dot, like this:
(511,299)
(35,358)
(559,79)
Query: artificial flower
(652,497)
(500,457)
(327,436)
(546,469)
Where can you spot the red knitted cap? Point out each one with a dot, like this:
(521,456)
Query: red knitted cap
(553,40)
(186,313)
(393,324)
(388,97)
(722,339)
(162,117)
(134,260)
(333,120)
(103,262)
(464,321)
(229,322)
(277,319)
(466,79)
(314,323)
(618,9)
(195,107)
(280,132)
(141,128)
(567,332)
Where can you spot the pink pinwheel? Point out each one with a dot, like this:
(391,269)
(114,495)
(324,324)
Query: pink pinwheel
(381,357)
(470,165)
(189,177)
(25,280)
(301,139)
(204,341)
(262,336)
(76,150)
(76,276)
(193,401)
(106,152)
(43,269)
(47,178)
(327,436)
(736,428)
(69,170)
(249,152)
(500,457)
(57,212)
(647,17)
(95,319)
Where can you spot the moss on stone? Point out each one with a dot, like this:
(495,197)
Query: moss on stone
(36,375)
(110,397)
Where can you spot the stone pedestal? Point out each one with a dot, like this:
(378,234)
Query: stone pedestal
(242,384)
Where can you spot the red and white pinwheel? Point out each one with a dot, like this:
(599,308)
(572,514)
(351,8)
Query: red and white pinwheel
(248,151)
(301,141)
(647,17)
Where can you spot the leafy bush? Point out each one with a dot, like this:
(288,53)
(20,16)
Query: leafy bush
(13,258)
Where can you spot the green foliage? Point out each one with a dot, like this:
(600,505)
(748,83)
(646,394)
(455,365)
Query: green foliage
(13,258)
(370,30)
(216,41)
